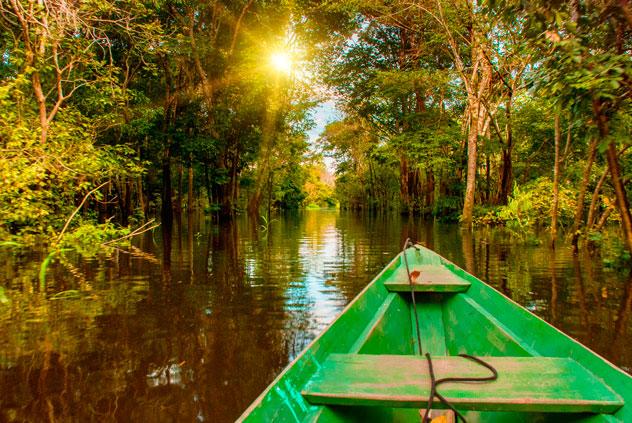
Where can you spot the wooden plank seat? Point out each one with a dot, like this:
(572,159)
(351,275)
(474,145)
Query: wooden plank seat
(531,384)
(426,278)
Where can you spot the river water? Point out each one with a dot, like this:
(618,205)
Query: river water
(196,334)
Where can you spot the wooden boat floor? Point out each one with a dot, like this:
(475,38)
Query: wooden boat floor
(426,278)
(533,384)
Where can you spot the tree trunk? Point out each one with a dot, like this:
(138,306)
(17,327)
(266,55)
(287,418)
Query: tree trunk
(41,105)
(263,166)
(403,184)
(180,188)
(506,167)
(487,178)
(255,200)
(590,220)
(190,189)
(141,196)
(622,199)
(207,180)
(556,180)
(372,196)
(470,185)
(234,180)
(430,189)
(124,190)
(170,108)
(269,197)
(579,208)
(167,208)
(604,218)
(615,172)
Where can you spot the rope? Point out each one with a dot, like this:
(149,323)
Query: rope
(434,382)
(407,244)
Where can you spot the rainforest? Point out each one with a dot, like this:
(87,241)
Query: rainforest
(258,161)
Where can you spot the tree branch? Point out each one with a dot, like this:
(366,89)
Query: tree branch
(79,208)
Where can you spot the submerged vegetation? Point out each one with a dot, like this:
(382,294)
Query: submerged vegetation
(502,112)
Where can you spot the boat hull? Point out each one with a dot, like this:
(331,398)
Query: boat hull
(457,313)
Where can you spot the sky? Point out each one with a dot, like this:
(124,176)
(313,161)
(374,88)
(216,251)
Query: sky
(326,112)
(323,114)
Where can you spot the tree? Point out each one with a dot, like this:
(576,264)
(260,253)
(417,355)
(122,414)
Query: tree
(590,70)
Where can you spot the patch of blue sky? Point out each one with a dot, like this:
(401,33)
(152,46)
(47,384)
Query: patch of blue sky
(323,114)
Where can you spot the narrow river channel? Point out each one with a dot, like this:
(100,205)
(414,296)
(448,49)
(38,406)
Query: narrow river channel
(197,334)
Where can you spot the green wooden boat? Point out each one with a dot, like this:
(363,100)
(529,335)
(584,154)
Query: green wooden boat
(367,365)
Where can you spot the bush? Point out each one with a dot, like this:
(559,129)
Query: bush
(529,206)
(88,238)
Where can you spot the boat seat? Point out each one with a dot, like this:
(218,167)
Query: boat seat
(524,384)
(426,278)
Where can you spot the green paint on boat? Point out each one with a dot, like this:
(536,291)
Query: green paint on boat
(366,365)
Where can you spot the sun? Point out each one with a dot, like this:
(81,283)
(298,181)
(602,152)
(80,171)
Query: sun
(282,62)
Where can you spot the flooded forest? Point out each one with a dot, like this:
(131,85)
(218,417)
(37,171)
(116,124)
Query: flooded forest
(191,191)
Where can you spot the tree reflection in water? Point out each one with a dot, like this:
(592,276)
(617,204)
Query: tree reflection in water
(198,334)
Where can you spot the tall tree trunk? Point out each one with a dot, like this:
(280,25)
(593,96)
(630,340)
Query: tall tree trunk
(623,203)
(556,180)
(260,184)
(125,201)
(263,164)
(615,172)
(141,196)
(430,189)
(207,180)
(190,187)
(604,218)
(170,109)
(222,192)
(590,220)
(167,207)
(40,97)
(234,179)
(180,188)
(487,178)
(403,183)
(579,208)
(372,196)
(506,167)
(472,141)
(269,213)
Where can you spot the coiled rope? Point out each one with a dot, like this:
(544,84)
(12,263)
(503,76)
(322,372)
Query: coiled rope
(434,382)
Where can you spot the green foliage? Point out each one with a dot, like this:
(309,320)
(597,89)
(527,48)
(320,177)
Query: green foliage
(265,223)
(319,191)
(616,257)
(529,206)
(488,215)
(142,95)
(448,208)
(41,184)
(87,239)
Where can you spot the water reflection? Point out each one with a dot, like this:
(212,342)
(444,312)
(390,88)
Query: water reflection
(198,333)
